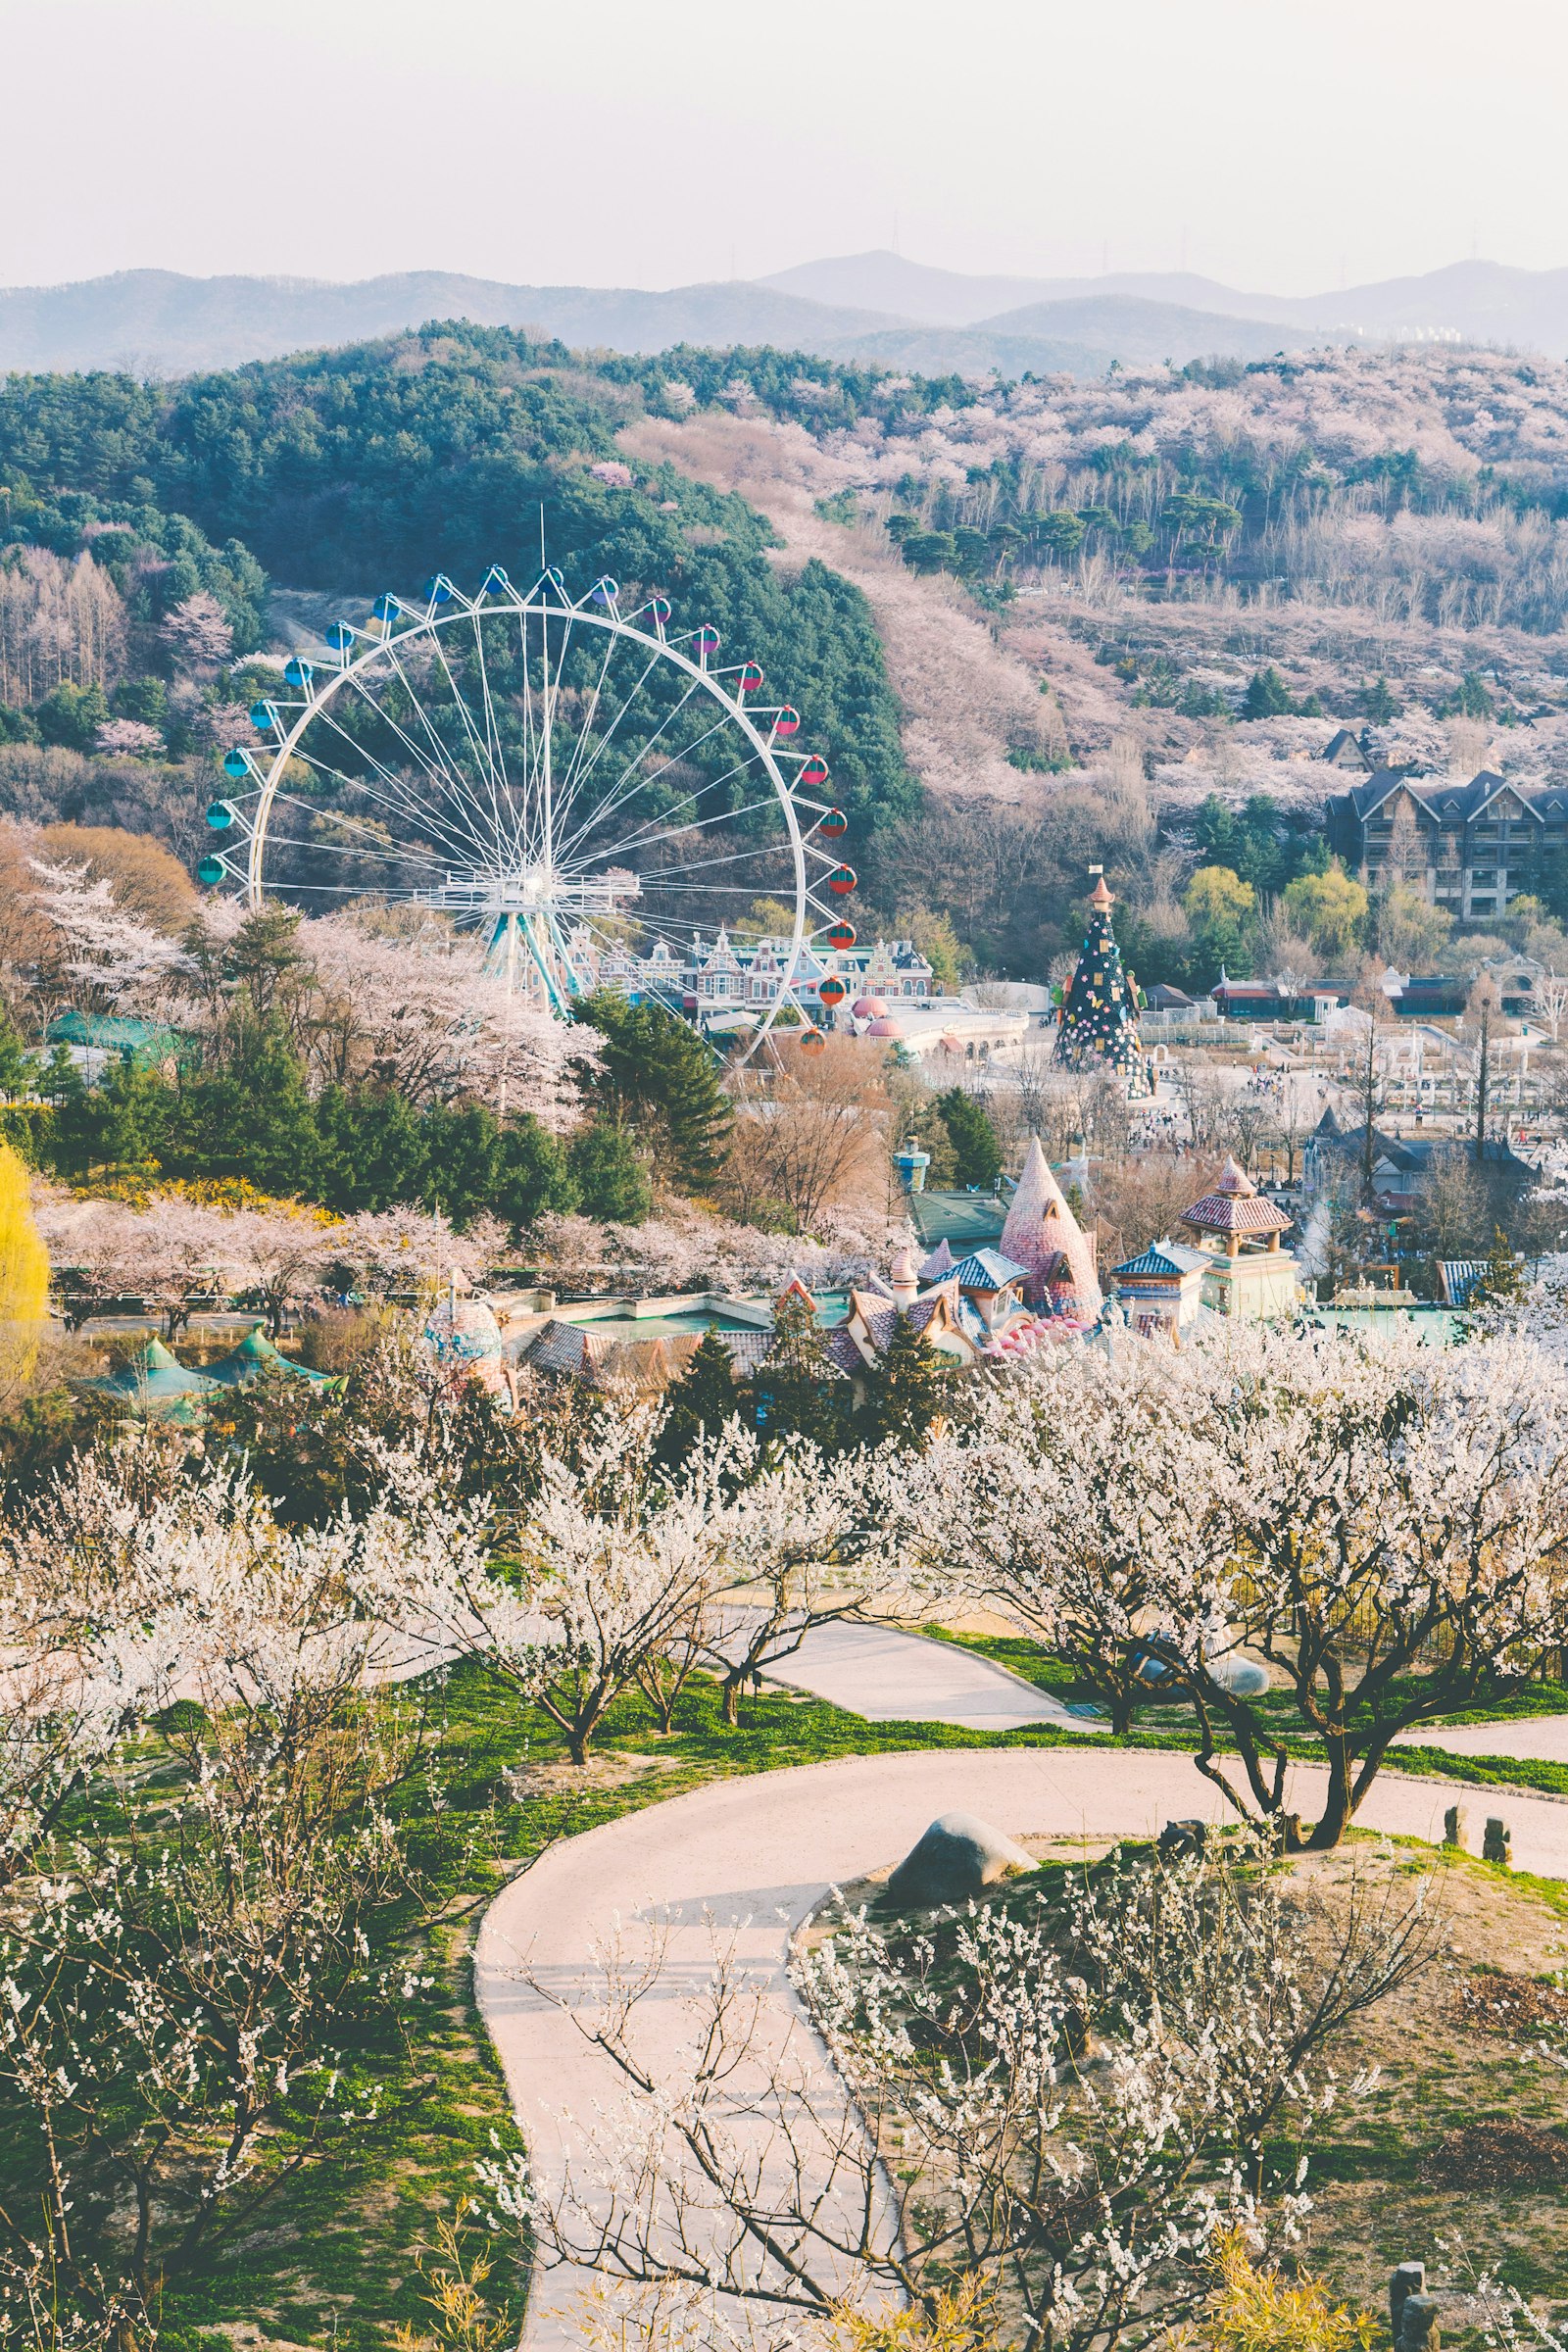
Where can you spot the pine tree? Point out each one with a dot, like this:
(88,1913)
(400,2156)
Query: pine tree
(976,1153)
(700,1401)
(796,1391)
(656,1066)
(1099,1019)
(533,1177)
(1503,1284)
(909,1387)
(1267,695)
(604,1167)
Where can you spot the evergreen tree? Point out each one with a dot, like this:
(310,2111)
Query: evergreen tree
(370,1149)
(910,1385)
(124,1123)
(1267,695)
(1378,704)
(604,1166)
(251,1118)
(659,1073)
(460,1153)
(700,1401)
(1503,1283)
(797,1391)
(977,1153)
(20,1072)
(533,1178)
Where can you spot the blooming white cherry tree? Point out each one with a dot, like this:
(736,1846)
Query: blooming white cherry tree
(808,1541)
(1061,2096)
(1075,1497)
(113,960)
(415,1009)
(176,1987)
(565,1595)
(199,630)
(1386,1524)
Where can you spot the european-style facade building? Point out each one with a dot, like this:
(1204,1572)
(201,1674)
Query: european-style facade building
(1470,848)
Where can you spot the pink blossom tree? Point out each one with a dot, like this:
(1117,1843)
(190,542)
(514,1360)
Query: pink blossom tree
(198,631)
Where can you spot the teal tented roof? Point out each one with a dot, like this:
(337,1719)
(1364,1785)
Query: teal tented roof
(114,1033)
(152,1382)
(256,1355)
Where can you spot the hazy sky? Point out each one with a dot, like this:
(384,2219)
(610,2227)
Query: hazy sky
(1281,143)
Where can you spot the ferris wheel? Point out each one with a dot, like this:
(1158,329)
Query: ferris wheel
(603,800)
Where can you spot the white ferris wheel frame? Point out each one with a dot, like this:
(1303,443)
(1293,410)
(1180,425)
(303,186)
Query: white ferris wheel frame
(445,607)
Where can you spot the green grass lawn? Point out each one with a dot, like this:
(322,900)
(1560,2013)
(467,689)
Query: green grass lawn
(330,2259)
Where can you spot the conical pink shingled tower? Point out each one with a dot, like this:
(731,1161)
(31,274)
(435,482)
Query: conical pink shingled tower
(941,1262)
(1043,1234)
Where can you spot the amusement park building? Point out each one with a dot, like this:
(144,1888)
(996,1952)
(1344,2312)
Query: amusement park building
(717,978)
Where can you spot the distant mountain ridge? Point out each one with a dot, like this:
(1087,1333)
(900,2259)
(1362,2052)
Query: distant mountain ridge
(873,306)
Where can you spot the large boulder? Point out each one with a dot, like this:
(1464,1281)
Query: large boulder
(957,1857)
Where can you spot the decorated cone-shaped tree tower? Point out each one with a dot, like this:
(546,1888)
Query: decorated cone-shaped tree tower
(1099,1013)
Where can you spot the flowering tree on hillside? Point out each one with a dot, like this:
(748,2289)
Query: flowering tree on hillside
(1082,1493)
(1386,1524)
(808,1541)
(199,631)
(416,1009)
(130,738)
(612,1566)
(112,961)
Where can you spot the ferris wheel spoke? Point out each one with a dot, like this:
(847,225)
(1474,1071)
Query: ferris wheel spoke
(659,878)
(634,777)
(494,754)
(637,781)
(440,775)
(414,855)
(696,824)
(584,770)
(460,704)
(315,849)
(709,784)
(552,704)
(447,811)
(392,789)
(585,731)
(450,823)
(444,769)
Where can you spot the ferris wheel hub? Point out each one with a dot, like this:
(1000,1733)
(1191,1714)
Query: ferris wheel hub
(533,889)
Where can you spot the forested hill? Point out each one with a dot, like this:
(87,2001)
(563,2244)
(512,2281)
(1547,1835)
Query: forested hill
(370,468)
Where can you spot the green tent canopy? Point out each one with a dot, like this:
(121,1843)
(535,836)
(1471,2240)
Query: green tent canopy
(255,1356)
(153,1380)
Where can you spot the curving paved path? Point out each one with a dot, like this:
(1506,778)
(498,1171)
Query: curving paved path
(762,1850)
(1543,1739)
(886,1676)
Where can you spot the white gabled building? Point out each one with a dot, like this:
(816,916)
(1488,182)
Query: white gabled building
(718,980)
